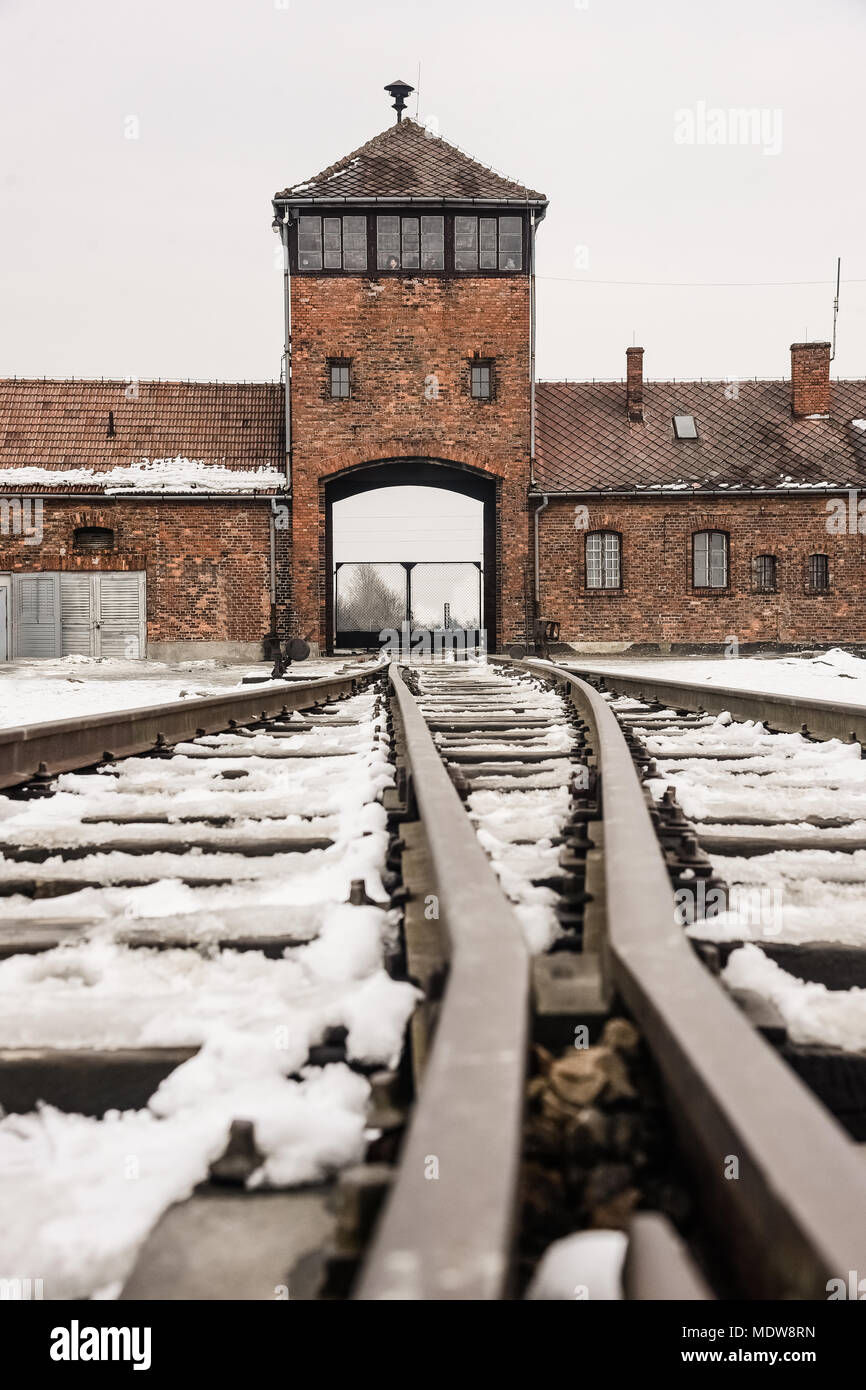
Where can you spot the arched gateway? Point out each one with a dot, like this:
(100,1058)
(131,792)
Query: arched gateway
(409,306)
(419,580)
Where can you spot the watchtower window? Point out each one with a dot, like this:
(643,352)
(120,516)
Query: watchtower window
(345,241)
(488,243)
(410,243)
(93,538)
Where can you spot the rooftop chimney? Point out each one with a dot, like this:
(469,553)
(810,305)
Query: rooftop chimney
(634,382)
(399,91)
(810,379)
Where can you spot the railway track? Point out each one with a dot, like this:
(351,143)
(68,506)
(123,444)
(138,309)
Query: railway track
(195,922)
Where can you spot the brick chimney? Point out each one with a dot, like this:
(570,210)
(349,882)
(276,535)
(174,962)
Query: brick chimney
(810,379)
(634,382)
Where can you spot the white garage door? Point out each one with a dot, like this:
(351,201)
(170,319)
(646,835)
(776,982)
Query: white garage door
(81,614)
(103,614)
(36,615)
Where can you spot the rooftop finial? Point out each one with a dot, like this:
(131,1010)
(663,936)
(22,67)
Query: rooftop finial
(399,91)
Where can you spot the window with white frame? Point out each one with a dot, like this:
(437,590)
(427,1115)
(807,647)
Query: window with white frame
(603,560)
(710,560)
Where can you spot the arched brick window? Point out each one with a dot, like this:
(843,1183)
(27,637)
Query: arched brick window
(93,538)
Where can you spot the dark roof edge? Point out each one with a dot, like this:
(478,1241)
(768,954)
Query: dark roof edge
(325,200)
(671,491)
(125,381)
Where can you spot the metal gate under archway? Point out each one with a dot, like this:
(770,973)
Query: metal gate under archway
(371,599)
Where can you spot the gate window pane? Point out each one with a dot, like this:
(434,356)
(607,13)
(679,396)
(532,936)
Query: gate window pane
(310,243)
(603,560)
(819,573)
(446,595)
(388,243)
(411,252)
(710,562)
(510,243)
(370,598)
(432,243)
(465,243)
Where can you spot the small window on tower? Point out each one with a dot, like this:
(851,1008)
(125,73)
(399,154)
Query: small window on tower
(481,374)
(340,378)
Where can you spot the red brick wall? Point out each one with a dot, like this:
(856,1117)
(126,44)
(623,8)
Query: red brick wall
(658,603)
(400,333)
(207,564)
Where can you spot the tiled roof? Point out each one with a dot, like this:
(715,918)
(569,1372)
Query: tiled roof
(585,441)
(406,161)
(65,424)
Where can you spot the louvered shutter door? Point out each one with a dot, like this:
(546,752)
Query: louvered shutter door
(36,615)
(121,614)
(76,614)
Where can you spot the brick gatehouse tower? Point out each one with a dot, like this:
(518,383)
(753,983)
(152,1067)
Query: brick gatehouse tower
(409,354)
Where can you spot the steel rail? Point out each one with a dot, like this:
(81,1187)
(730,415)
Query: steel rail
(795,1215)
(448,1228)
(790,713)
(63,745)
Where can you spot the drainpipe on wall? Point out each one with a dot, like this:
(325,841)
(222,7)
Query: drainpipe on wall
(273,541)
(532,352)
(538,511)
(282,222)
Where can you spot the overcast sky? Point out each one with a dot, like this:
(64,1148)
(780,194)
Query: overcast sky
(154,256)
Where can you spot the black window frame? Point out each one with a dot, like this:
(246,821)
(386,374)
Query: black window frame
(323,216)
(811,586)
(759,586)
(340,364)
(374,272)
(709,588)
(603,532)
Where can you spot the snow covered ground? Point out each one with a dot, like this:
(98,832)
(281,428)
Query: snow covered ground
(81,1194)
(832,675)
(517,818)
(35,691)
(734,780)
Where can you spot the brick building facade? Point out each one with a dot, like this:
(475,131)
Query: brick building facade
(661,513)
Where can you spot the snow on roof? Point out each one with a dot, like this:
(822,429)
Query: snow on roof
(177,474)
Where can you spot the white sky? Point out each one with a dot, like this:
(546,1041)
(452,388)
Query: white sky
(155,257)
(408,523)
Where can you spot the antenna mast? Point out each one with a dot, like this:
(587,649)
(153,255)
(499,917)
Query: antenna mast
(836,305)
